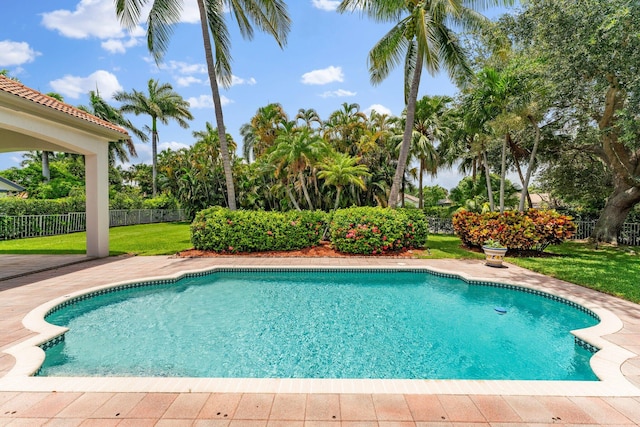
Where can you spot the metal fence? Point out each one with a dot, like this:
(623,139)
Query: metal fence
(630,234)
(19,227)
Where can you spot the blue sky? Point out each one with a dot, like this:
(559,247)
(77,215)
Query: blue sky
(74,46)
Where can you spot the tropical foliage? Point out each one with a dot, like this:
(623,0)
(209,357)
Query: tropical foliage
(520,231)
(222,230)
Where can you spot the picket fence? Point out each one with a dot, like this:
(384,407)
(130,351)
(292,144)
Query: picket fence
(23,226)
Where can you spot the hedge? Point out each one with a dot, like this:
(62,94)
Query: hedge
(16,206)
(221,230)
(522,231)
(367,230)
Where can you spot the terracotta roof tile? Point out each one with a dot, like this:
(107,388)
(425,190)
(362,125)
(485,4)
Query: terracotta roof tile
(18,89)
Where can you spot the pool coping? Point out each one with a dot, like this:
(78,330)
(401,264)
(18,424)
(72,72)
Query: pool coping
(606,363)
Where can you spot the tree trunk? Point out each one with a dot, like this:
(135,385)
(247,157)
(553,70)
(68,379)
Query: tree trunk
(503,171)
(532,159)
(293,200)
(304,190)
(420,195)
(612,217)
(215,92)
(487,176)
(338,191)
(46,171)
(408,131)
(154,157)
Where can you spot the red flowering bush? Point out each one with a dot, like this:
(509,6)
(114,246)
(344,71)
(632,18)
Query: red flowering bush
(367,230)
(531,230)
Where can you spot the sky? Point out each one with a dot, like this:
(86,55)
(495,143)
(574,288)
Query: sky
(74,46)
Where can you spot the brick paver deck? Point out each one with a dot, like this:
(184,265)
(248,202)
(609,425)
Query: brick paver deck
(20,295)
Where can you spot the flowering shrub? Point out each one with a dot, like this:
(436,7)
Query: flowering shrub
(369,230)
(531,230)
(221,230)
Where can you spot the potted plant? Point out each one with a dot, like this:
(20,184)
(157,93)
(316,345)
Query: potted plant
(494,253)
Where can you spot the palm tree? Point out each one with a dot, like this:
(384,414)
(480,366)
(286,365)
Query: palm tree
(430,128)
(161,104)
(309,116)
(296,152)
(269,15)
(117,149)
(340,170)
(422,34)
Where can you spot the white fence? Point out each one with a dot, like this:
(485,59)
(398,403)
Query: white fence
(19,227)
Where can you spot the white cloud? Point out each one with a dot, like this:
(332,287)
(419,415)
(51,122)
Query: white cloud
(172,145)
(379,108)
(16,159)
(91,18)
(188,81)
(340,93)
(206,101)
(323,76)
(119,45)
(16,53)
(181,67)
(74,86)
(235,80)
(328,5)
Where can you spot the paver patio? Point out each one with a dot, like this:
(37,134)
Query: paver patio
(330,404)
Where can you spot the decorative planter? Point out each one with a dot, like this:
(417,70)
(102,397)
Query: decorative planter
(494,256)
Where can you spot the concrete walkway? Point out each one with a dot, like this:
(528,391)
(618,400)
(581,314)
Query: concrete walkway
(20,405)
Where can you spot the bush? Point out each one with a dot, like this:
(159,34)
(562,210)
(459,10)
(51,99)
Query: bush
(522,231)
(221,230)
(14,206)
(369,230)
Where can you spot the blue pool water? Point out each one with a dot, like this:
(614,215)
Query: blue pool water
(321,325)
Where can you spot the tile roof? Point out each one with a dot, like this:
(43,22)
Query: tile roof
(18,89)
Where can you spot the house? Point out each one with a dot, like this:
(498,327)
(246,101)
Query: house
(8,188)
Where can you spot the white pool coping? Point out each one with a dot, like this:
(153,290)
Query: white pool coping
(606,363)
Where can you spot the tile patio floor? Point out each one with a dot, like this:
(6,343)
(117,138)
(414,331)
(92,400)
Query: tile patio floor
(363,408)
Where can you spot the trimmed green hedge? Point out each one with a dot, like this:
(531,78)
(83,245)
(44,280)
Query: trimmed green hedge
(531,230)
(15,206)
(221,230)
(367,230)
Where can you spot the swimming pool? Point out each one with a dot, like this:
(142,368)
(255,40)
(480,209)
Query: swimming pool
(280,324)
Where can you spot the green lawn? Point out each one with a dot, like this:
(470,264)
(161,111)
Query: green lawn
(146,239)
(613,270)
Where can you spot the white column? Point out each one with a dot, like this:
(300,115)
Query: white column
(97,190)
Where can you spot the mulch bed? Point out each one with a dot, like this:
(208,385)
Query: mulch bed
(323,250)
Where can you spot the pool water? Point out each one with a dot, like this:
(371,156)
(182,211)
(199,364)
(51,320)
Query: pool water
(321,325)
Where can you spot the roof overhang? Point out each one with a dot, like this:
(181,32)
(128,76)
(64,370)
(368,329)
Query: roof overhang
(26,125)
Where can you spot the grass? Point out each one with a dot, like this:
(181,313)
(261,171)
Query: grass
(146,239)
(612,270)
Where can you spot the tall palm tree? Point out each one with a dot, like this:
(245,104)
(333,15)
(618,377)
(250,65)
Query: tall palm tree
(340,170)
(421,34)
(429,129)
(124,148)
(296,152)
(309,116)
(268,15)
(162,104)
